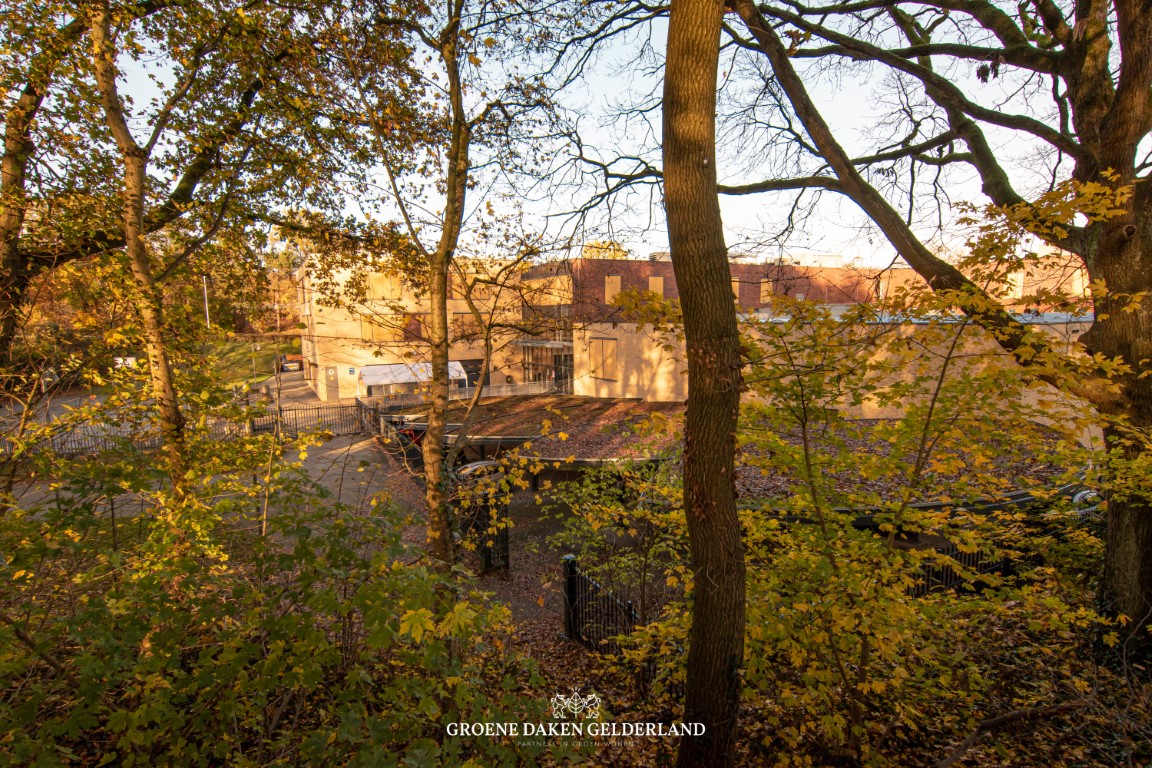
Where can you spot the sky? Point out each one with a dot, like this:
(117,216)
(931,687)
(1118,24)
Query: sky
(853,101)
(836,233)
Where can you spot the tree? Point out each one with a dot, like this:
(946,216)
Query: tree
(30,84)
(700,262)
(149,302)
(468,102)
(238,143)
(1096,59)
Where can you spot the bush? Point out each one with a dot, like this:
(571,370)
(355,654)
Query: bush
(194,640)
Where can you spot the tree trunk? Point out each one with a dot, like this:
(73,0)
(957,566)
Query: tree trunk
(456,187)
(700,262)
(1121,259)
(1127,585)
(15,275)
(436,489)
(149,303)
(14,282)
(15,272)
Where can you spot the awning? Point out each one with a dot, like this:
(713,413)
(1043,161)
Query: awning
(406,373)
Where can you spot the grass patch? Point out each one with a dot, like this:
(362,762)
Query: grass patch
(243,361)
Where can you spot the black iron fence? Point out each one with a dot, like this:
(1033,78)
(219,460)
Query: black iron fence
(594,616)
(76,444)
(339,419)
(482,513)
(91,439)
(490,534)
(368,414)
(942,576)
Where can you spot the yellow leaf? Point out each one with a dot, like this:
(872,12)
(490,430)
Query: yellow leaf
(416,623)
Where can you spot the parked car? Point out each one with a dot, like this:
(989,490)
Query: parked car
(291,363)
(476,483)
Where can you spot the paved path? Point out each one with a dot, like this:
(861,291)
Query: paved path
(294,390)
(353,469)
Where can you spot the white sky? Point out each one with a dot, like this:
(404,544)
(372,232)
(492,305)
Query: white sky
(836,233)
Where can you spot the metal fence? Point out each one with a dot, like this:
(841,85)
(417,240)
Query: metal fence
(78,443)
(593,616)
(92,439)
(936,576)
(369,416)
(490,533)
(79,440)
(462,394)
(339,419)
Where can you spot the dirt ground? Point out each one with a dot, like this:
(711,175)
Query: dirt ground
(531,587)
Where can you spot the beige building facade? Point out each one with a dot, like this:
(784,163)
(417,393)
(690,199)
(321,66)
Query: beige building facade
(565,327)
(354,326)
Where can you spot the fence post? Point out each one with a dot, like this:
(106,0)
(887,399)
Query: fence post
(571,586)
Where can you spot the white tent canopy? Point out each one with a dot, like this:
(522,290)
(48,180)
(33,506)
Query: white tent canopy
(406,373)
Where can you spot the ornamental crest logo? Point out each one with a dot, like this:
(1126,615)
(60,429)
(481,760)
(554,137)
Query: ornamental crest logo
(576,706)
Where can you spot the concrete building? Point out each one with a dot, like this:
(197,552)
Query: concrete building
(365,335)
(568,327)
(612,356)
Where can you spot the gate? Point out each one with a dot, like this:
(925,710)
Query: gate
(592,614)
(368,415)
(337,419)
(941,576)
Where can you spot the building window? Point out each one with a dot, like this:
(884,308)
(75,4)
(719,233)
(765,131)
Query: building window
(767,289)
(383,287)
(656,285)
(416,326)
(465,324)
(602,358)
(371,329)
(611,287)
(736,290)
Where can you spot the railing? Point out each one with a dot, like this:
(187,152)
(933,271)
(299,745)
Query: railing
(593,616)
(489,531)
(337,419)
(942,576)
(79,440)
(75,444)
(91,439)
(392,401)
(369,416)
(461,394)
(506,390)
